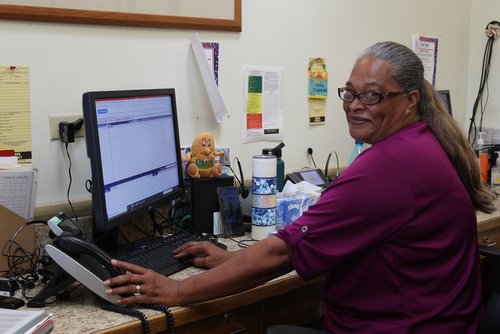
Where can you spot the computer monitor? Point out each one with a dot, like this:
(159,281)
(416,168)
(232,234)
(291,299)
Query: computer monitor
(133,144)
(445,97)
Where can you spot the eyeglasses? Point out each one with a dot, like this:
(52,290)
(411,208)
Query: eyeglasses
(366,97)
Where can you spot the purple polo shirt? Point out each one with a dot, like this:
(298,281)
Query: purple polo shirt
(396,236)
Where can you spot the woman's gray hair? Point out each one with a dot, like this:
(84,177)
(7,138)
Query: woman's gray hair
(408,68)
(408,73)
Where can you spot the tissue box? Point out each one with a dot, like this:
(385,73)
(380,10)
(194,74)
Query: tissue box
(290,208)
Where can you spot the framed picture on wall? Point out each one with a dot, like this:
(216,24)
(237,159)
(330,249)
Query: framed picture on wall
(222,15)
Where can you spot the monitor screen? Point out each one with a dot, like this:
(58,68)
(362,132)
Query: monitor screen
(133,144)
(445,97)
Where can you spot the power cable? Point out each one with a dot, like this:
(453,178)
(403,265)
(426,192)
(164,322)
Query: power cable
(69,184)
(493,32)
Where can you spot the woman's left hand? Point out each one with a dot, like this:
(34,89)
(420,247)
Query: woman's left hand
(205,254)
(141,285)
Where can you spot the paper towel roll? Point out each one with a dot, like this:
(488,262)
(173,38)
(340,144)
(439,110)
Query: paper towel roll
(263,196)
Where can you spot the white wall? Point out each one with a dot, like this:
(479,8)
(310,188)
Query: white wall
(67,60)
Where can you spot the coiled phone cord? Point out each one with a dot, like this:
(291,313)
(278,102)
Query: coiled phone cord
(138,314)
(168,314)
(128,311)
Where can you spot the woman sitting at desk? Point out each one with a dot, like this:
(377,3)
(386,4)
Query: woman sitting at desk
(395,233)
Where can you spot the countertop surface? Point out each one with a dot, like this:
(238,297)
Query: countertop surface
(82,312)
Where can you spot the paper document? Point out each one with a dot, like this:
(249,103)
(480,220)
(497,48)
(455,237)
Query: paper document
(23,321)
(218,106)
(426,49)
(317,90)
(264,104)
(211,50)
(15,117)
(18,191)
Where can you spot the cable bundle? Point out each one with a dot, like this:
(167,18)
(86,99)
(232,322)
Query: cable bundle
(22,263)
(493,32)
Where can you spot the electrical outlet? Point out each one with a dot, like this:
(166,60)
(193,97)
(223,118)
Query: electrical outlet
(54,121)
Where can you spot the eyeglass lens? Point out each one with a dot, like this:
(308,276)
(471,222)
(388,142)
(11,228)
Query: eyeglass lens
(366,98)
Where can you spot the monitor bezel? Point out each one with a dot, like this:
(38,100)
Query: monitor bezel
(447,104)
(100,220)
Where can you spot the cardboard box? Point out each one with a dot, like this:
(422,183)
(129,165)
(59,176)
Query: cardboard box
(10,223)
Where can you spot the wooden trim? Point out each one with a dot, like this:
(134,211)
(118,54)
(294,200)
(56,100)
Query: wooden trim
(199,311)
(196,312)
(47,211)
(62,15)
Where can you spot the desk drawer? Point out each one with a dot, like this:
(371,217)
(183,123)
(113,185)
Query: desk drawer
(299,307)
(244,320)
(490,237)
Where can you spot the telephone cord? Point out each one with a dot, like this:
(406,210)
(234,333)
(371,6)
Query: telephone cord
(128,311)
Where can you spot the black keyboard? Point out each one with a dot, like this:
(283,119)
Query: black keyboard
(157,252)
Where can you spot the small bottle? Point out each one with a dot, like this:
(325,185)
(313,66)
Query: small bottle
(480,141)
(359,147)
(280,172)
(495,175)
(484,158)
(280,165)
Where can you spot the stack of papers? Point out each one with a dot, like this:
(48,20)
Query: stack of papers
(23,321)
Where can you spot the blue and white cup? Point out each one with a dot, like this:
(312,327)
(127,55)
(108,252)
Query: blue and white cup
(263,196)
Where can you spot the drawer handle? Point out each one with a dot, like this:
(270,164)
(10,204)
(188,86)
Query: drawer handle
(489,244)
(229,318)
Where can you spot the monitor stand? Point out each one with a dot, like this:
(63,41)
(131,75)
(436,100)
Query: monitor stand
(106,240)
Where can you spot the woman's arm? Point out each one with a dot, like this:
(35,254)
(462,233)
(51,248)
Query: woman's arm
(244,269)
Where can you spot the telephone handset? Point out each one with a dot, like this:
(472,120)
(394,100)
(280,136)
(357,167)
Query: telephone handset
(91,266)
(84,261)
(88,251)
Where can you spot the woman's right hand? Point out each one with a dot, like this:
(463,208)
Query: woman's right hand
(204,253)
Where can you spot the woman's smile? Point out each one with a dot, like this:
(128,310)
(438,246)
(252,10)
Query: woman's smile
(357,120)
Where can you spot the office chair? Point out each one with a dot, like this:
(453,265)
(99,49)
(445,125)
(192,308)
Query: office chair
(490,323)
(288,329)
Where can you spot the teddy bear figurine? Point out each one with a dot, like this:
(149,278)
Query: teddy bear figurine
(201,159)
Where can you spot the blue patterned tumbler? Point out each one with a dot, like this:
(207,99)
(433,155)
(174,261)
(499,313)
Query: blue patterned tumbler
(263,196)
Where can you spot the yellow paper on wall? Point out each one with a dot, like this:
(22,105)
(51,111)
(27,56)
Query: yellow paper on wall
(15,116)
(317,90)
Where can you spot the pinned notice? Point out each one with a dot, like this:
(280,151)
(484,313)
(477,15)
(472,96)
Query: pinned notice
(15,116)
(317,90)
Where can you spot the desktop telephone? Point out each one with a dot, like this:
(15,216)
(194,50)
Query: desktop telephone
(91,266)
(311,175)
(81,259)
